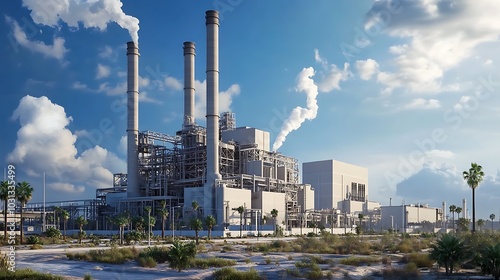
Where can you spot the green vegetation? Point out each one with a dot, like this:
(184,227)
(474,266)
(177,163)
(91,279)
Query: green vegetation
(211,262)
(114,255)
(358,261)
(449,251)
(419,259)
(28,274)
(181,254)
(473,177)
(229,273)
(408,272)
(146,262)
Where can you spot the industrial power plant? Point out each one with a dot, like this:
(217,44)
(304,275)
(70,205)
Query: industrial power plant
(231,172)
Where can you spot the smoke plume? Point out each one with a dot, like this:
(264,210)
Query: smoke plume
(305,84)
(90,13)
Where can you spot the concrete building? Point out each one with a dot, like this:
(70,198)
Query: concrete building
(334,181)
(411,217)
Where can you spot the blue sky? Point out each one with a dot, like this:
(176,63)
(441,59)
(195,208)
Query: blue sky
(408,89)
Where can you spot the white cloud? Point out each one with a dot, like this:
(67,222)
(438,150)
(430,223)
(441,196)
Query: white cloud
(173,83)
(331,74)
(436,183)
(103,71)
(431,47)
(443,154)
(44,124)
(96,13)
(80,86)
(367,68)
(56,50)
(67,188)
(122,146)
(488,62)
(144,97)
(421,103)
(118,89)
(225,98)
(106,52)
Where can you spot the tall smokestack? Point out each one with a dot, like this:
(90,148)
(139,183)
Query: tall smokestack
(189,54)
(212,23)
(132,118)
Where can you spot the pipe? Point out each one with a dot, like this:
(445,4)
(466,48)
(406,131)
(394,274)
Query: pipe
(189,54)
(132,119)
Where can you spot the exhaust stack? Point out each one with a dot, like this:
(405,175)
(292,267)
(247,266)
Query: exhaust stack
(189,54)
(212,23)
(132,119)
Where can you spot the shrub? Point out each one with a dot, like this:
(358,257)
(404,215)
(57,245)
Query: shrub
(293,272)
(146,262)
(53,233)
(268,260)
(36,247)
(449,251)
(33,239)
(180,254)
(26,274)
(419,259)
(357,261)
(134,236)
(113,255)
(314,273)
(228,273)
(87,276)
(409,272)
(159,254)
(211,262)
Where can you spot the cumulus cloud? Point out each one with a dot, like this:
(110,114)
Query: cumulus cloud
(173,83)
(430,48)
(56,50)
(65,187)
(331,75)
(225,98)
(367,68)
(421,103)
(45,124)
(122,146)
(106,52)
(103,71)
(436,183)
(91,14)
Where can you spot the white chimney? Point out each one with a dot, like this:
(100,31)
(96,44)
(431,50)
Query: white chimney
(189,54)
(132,119)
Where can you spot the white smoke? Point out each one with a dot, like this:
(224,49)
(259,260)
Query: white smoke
(305,84)
(90,13)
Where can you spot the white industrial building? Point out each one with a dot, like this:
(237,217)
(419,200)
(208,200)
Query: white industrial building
(411,217)
(338,185)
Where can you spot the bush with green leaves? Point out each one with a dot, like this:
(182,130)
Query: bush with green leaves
(146,262)
(211,262)
(449,251)
(27,273)
(489,260)
(53,233)
(134,236)
(227,273)
(159,254)
(33,239)
(419,259)
(180,254)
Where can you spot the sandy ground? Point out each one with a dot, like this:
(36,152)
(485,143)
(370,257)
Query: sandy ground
(54,261)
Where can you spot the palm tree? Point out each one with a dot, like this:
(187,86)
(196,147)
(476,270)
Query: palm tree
(489,260)
(449,251)
(163,212)
(148,211)
(121,221)
(81,221)
(195,206)
(360,217)
(492,217)
(453,208)
(24,192)
(210,222)
(274,214)
(197,225)
(458,211)
(4,195)
(240,210)
(180,254)
(65,216)
(480,223)
(473,177)
(57,211)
